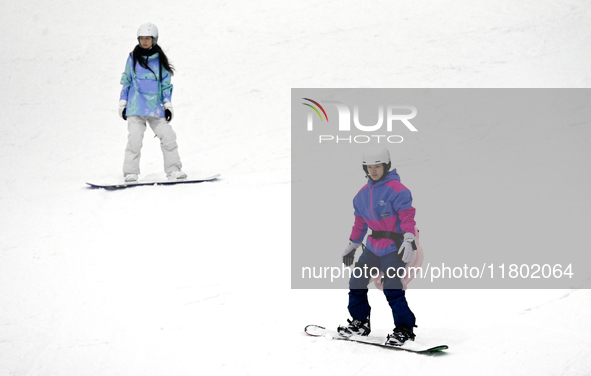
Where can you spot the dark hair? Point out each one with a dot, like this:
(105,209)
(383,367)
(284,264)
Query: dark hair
(139,52)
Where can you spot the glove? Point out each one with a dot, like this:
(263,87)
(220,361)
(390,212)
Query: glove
(122,108)
(407,249)
(168,111)
(349,253)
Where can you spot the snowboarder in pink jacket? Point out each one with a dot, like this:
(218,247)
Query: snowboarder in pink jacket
(383,205)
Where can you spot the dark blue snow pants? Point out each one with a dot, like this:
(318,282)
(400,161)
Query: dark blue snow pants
(359,307)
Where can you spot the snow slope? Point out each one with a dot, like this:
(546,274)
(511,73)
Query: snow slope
(194,279)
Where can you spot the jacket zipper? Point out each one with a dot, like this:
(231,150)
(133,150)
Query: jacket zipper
(371,201)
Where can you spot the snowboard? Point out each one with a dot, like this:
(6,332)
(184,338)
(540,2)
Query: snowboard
(411,346)
(123,185)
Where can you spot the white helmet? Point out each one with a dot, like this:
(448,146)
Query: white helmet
(376,156)
(148,30)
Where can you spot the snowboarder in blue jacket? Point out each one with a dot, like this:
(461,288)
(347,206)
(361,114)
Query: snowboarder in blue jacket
(383,205)
(146,98)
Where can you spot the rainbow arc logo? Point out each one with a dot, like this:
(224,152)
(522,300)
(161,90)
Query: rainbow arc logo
(316,109)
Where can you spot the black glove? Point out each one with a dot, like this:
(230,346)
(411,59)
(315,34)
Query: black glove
(168,111)
(122,108)
(349,258)
(349,253)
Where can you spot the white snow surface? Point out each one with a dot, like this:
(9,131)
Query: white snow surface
(195,279)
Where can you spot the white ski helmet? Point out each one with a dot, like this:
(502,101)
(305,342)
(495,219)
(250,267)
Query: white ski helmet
(148,30)
(376,156)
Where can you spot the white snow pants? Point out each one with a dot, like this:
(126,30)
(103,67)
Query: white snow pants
(136,126)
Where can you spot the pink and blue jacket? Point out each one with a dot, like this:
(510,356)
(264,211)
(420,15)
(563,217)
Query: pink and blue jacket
(385,205)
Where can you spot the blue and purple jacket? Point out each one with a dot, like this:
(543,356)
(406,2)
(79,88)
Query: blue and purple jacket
(385,205)
(143,89)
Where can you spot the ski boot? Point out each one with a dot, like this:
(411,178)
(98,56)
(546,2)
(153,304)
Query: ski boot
(355,327)
(176,175)
(400,335)
(129,178)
